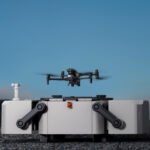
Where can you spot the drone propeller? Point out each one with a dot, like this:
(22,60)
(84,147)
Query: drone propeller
(89,73)
(48,74)
(48,77)
(102,78)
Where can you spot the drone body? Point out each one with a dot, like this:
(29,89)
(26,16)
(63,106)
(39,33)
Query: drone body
(74,77)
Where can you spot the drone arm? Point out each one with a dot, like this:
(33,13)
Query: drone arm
(85,74)
(84,78)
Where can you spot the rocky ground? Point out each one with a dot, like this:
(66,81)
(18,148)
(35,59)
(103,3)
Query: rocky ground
(32,142)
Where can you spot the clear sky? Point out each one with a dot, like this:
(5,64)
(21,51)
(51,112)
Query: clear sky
(50,36)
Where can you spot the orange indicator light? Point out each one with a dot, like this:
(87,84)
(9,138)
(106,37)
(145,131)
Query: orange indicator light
(69,104)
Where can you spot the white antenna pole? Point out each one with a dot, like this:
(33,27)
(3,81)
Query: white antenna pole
(16,90)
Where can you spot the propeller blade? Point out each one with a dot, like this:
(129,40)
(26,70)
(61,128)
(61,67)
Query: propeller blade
(102,78)
(48,74)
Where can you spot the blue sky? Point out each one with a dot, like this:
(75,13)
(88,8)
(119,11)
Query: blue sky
(50,36)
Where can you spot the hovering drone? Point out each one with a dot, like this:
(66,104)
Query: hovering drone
(74,77)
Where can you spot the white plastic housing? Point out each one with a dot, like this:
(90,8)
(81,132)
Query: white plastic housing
(11,112)
(127,111)
(80,119)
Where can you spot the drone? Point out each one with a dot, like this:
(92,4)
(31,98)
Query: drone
(73,77)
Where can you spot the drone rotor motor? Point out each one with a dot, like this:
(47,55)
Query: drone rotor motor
(91,78)
(48,78)
(62,74)
(97,74)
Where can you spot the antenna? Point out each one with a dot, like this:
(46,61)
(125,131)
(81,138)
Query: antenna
(16,91)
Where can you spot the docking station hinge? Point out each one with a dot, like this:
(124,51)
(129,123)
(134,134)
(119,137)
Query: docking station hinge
(38,110)
(116,122)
